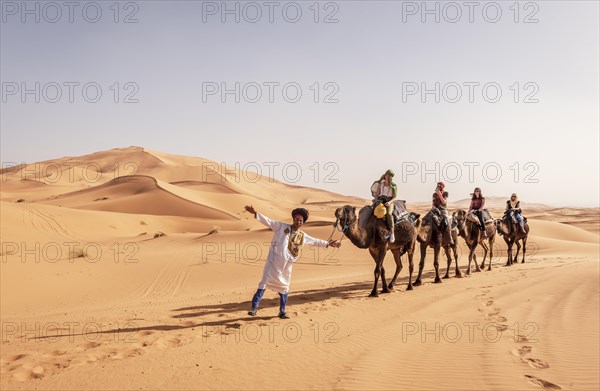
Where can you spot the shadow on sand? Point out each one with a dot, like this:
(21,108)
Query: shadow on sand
(351,291)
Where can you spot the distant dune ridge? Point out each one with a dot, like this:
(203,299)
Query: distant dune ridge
(155,250)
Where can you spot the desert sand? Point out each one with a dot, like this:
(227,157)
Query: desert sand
(133,269)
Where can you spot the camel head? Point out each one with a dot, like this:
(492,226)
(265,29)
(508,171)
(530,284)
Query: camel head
(346,215)
(501,227)
(460,216)
(416,219)
(430,218)
(423,232)
(424,226)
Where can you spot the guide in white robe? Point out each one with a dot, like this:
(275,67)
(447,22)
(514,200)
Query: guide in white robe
(278,269)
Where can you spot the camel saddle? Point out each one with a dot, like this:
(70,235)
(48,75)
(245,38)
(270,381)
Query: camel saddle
(507,218)
(399,214)
(487,217)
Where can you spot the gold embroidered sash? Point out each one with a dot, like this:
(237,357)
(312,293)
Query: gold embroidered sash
(295,242)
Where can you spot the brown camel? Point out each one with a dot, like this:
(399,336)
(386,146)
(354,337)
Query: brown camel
(373,235)
(512,234)
(430,234)
(473,236)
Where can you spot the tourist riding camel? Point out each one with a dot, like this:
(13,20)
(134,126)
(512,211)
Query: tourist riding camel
(513,208)
(285,249)
(439,202)
(507,227)
(385,191)
(476,207)
(366,231)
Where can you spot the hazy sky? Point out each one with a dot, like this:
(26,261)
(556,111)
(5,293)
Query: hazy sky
(517,84)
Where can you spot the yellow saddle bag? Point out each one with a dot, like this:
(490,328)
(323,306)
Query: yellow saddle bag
(380,211)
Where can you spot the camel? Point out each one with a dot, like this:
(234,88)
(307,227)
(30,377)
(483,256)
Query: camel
(512,234)
(372,234)
(432,222)
(473,236)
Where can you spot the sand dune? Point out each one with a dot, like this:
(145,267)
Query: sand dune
(141,195)
(143,279)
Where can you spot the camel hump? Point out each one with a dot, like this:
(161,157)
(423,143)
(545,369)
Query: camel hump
(364,215)
(400,205)
(487,217)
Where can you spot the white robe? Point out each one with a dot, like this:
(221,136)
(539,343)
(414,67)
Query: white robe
(278,269)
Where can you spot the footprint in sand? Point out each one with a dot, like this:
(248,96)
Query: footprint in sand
(523,350)
(14,358)
(12,363)
(536,363)
(88,346)
(171,341)
(62,365)
(24,374)
(521,338)
(497,318)
(127,353)
(489,302)
(532,362)
(543,383)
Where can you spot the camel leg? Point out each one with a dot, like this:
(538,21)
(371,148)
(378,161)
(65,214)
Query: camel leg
(509,245)
(468,270)
(449,259)
(524,248)
(384,287)
(410,268)
(378,263)
(457,272)
(516,258)
(485,252)
(491,242)
(477,268)
(398,260)
(472,257)
(436,264)
(421,264)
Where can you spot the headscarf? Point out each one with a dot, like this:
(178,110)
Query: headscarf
(302,212)
(392,184)
(514,204)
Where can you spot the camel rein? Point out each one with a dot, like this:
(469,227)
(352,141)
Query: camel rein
(343,228)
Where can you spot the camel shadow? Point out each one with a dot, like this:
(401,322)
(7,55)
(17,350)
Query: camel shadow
(349,291)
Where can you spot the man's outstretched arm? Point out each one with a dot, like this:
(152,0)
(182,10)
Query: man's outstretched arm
(319,242)
(262,218)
